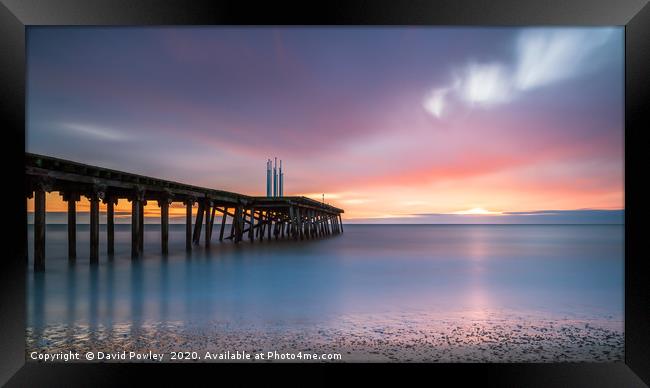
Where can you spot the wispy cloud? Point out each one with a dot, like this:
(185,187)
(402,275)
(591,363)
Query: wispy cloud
(545,56)
(94,131)
(542,57)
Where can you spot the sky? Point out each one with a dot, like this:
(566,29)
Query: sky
(394,125)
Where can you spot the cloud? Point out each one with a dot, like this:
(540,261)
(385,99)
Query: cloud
(543,56)
(485,84)
(96,132)
(434,102)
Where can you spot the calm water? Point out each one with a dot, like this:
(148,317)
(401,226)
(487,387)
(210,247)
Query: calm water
(383,269)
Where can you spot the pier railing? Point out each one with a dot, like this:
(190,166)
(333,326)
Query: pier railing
(251,217)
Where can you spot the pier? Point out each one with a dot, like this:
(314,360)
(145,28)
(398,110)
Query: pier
(251,217)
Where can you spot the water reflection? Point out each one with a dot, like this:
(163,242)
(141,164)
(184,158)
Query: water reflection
(94,296)
(477,294)
(136,297)
(38,303)
(370,269)
(164,290)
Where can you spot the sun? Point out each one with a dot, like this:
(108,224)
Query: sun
(476,210)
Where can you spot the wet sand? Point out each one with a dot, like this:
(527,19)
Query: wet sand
(460,337)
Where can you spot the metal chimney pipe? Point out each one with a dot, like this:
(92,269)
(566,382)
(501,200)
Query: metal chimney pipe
(268,177)
(275,178)
(281,180)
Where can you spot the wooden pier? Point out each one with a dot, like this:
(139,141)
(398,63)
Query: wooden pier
(296,218)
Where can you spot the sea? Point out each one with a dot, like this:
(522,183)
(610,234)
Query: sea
(574,271)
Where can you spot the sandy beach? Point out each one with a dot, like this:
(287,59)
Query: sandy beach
(475,337)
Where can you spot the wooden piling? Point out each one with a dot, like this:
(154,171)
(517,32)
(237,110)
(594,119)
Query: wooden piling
(244,215)
(198,223)
(94,228)
(135,228)
(237,222)
(232,225)
(26,234)
(308,224)
(188,224)
(141,235)
(208,210)
(223,222)
(164,225)
(252,226)
(110,227)
(39,229)
(143,203)
(72,227)
(214,213)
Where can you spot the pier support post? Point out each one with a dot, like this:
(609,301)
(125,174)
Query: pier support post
(164,224)
(214,213)
(39,229)
(308,224)
(143,203)
(237,222)
(26,236)
(232,225)
(136,224)
(292,224)
(244,215)
(72,199)
(72,231)
(188,224)
(208,211)
(315,221)
(252,225)
(199,222)
(135,229)
(94,198)
(110,225)
(223,222)
(341,223)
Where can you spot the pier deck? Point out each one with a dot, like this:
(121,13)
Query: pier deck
(251,217)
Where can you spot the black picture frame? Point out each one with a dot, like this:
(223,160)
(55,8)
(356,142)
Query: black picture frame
(15,15)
